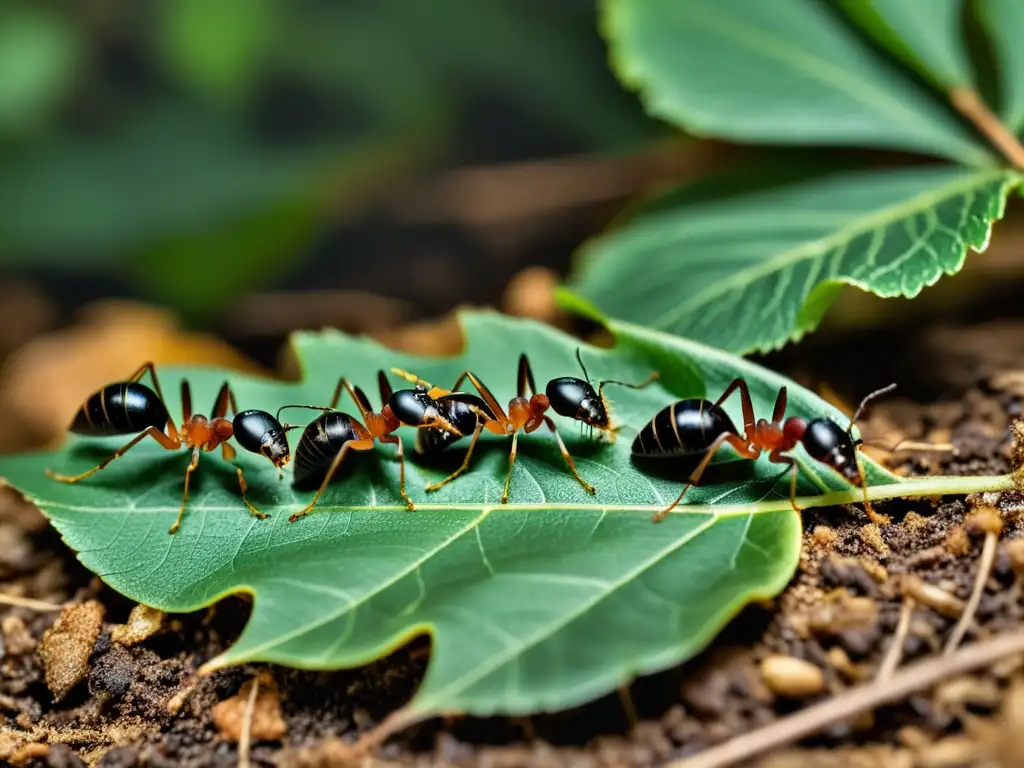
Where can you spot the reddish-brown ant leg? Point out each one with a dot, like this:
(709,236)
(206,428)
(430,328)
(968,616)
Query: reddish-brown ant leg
(170,443)
(395,439)
(186,402)
(511,465)
(777,457)
(745,402)
(485,393)
(152,374)
(465,462)
(568,459)
(875,517)
(184,498)
(779,412)
(228,453)
(364,444)
(741,446)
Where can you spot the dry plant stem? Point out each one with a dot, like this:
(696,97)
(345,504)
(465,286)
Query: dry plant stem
(895,653)
(245,737)
(863,698)
(988,557)
(27,602)
(970,105)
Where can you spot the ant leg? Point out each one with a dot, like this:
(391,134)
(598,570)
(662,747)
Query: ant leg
(876,517)
(186,401)
(485,393)
(401,468)
(525,377)
(229,454)
(465,462)
(746,403)
(184,498)
(511,465)
(568,459)
(780,406)
(169,443)
(363,444)
(743,448)
(225,397)
(777,457)
(152,374)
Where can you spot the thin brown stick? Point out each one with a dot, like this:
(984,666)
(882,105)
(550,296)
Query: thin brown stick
(245,737)
(862,698)
(970,105)
(28,602)
(895,653)
(988,557)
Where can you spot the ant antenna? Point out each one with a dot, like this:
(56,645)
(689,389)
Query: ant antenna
(866,400)
(579,359)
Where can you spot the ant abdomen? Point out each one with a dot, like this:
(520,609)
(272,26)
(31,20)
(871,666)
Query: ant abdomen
(683,428)
(259,432)
(322,440)
(119,409)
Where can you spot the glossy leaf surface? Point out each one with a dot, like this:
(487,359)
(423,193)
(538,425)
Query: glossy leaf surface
(545,602)
(753,271)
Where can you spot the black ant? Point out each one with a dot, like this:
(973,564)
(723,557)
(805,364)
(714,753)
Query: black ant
(130,406)
(567,396)
(576,399)
(330,437)
(697,426)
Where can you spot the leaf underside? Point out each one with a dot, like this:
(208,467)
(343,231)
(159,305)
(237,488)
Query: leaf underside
(540,604)
(754,271)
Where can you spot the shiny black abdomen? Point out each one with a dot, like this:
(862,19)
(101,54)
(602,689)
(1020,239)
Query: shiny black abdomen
(259,432)
(576,399)
(461,411)
(120,409)
(321,441)
(683,428)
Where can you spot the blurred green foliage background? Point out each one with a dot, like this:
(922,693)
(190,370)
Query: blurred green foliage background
(188,152)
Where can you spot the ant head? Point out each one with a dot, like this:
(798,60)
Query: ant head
(412,406)
(259,432)
(576,399)
(829,443)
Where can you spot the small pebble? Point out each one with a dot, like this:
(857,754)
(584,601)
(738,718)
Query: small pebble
(791,677)
(65,647)
(871,535)
(142,622)
(957,543)
(824,537)
(938,599)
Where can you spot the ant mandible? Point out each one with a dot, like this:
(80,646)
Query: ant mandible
(329,438)
(567,396)
(699,426)
(130,406)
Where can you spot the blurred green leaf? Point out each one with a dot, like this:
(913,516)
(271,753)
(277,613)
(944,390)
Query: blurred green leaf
(751,272)
(927,35)
(38,53)
(785,71)
(1004,20)
(217,47)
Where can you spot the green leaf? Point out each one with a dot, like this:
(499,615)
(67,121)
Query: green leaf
(754,271)
(927,35)
(542,603)
(780,72)
(217,48)
(1004,20)
(38,53)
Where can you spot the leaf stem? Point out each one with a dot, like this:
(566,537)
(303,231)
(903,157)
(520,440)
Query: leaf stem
(970,105)
(935,485)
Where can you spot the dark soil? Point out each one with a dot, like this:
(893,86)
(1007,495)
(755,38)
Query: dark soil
(839,614)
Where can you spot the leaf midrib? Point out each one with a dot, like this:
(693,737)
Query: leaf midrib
(819,247)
